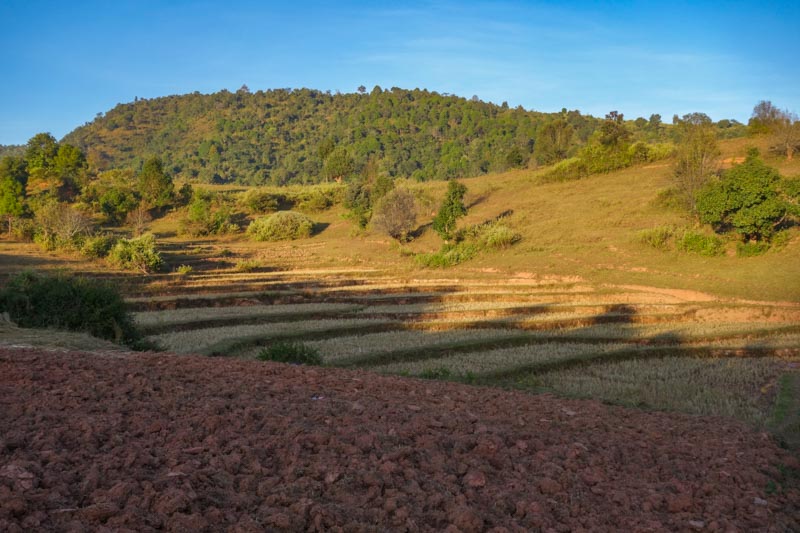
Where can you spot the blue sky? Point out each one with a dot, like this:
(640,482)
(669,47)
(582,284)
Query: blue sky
(63,62)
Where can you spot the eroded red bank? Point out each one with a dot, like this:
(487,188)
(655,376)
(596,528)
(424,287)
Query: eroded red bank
(181,443)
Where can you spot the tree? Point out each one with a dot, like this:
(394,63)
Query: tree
(747,199)
(613,131)
(12,188)
(137,219)
(396,214)
(764,117)
(338,165)
(451,210)
(781,124)
(786,136)
(697,157)
(553,141)
(155,186)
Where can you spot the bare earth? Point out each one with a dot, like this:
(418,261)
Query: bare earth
(184,443)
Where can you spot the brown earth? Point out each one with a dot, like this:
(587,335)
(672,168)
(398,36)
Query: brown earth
(184,443)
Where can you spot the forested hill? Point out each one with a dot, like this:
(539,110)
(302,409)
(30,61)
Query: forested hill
(306,136)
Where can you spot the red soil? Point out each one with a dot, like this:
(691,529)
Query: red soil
(153,441)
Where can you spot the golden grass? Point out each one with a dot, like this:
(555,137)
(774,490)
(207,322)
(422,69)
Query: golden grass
(712,386)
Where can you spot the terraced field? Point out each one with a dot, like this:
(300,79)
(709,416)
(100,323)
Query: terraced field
(650,347)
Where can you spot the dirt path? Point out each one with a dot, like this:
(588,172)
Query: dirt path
(187,443)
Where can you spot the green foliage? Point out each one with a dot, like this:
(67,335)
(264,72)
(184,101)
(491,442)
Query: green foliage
(72,303)
(658,237)
(12,188)
(554,140)
(747,200)
(751,249)
(396,214)
(54,171)
(98,246)
(261,202)
(451,210)
(184,270)
(498,236)
(155,186)
(697,157)
(288,136)
(116,202)
(136,254)
(281,226)
(208,214)
(291,352)
(699,243)
(450,255)
(339,164)
(570,169)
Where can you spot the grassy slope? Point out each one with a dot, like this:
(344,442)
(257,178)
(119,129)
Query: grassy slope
(586,228)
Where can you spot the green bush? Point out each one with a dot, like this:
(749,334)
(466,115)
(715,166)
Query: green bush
(261,202)
(72,303)
(281,226)
(569,169)
(291,352)
(449,255)
(499,236)
(698,243)
(751,249)
(184,270)
(136,254)
(98,246)
(657,237)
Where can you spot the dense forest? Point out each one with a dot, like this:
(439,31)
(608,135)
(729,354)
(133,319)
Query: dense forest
(287,136)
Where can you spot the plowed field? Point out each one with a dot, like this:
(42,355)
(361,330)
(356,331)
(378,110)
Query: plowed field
(186,443)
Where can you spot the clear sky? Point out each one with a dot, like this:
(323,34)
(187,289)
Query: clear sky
(62,62)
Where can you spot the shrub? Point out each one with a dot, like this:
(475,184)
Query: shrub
(247,265)
(396,214)
(136,254)
(570,169)
(208,214)
(658,237)
(499,236)
(449,255)
(72,303)
(451,210)
(261,202)
(281,226)
(98,246)
(698,243)
(291,352)
(751,249)
(748,199)
(184,270)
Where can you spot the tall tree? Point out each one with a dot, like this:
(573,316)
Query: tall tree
(451,210)
(697,157)
(613,131)
(155,185)
(12,188)
(553,141)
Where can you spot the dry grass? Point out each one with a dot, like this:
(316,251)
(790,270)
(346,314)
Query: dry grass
(717,386)
(176,317)
(203,340)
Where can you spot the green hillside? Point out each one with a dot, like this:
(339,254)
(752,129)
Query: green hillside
(286,136)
